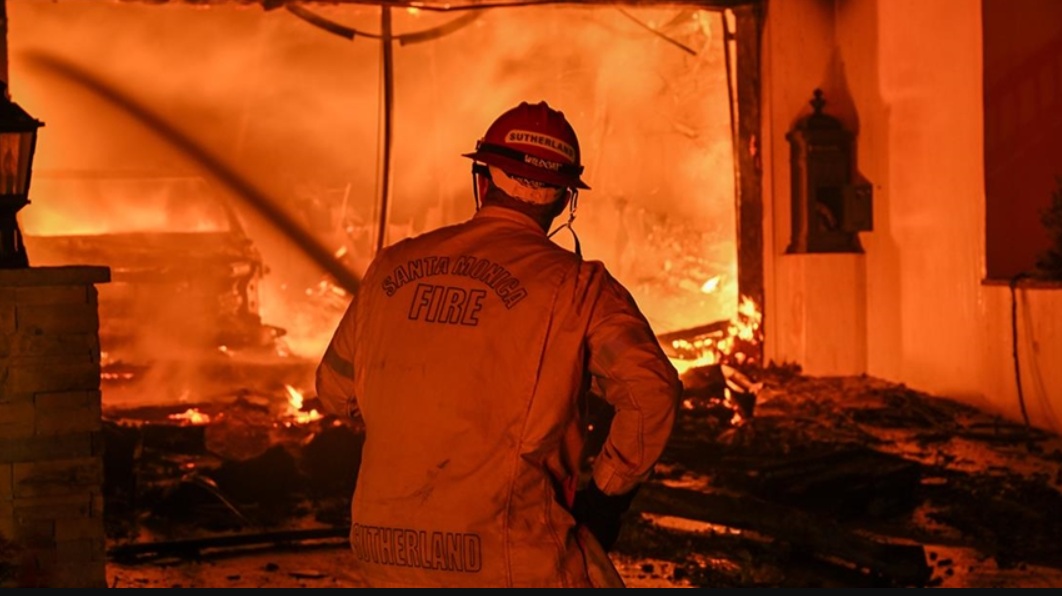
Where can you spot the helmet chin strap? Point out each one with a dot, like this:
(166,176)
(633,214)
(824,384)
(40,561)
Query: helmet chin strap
(572,206)
(481,170)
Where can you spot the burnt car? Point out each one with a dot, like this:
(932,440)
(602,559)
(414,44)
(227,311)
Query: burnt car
(185,274)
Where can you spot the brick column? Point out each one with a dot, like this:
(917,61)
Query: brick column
(51,457)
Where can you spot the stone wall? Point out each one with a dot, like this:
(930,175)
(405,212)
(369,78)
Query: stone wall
(51,451)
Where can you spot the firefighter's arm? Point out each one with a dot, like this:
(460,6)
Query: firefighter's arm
(335,372)
(638,380)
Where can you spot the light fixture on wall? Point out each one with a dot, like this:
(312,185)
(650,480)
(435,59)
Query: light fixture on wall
(18,140)
(831,201)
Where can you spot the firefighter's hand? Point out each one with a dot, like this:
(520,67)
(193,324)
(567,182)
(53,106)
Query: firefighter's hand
(601,514)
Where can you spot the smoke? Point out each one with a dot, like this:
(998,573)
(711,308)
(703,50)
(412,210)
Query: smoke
(297,110)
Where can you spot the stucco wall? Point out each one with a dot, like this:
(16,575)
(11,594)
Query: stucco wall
(906,75)
(815,306)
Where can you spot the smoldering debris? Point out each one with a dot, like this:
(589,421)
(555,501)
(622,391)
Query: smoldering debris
(239,466)
(850,482)
(826,482)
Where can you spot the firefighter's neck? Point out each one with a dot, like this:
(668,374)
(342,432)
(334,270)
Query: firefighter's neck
(542,214)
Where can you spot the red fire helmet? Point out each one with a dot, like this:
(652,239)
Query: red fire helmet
(533,141)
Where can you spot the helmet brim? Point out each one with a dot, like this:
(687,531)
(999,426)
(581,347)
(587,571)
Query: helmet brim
(516,167)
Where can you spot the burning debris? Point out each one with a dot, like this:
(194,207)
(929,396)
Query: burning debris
(179,257)
(717,364)
(735,342)
(245,464)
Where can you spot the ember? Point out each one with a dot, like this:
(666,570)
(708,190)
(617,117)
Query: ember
(191,416)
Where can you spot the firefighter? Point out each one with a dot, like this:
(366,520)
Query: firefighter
(468,355)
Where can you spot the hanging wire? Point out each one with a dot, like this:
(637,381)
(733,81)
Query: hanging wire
(327,24)
(728,38)
(1014,342)
(388,124)
(659,34)
(448,7)
(387,39)
(403,40)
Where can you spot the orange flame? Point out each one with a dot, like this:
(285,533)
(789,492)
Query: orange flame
(711,285)
(295,401)
(747,325)
(743,331)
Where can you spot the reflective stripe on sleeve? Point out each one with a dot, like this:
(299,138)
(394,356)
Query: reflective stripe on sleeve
(611,351)
(340,365)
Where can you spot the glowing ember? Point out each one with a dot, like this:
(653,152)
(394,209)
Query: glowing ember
(191,416)
(295,401)
(730,402)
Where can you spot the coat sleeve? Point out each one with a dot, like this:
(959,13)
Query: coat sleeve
(335,372)
(638,380)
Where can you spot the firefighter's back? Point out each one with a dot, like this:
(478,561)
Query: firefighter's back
(452,328)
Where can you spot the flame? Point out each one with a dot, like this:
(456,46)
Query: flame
(711,285)
(742,331)
(295,401)
(663,243)
(747,325)
(191,416)
(71,206)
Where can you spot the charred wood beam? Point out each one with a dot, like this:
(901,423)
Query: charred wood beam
(193,547)
(387,66)
(823,538)
(749,20)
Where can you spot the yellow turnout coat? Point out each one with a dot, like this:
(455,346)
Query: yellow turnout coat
(467,353)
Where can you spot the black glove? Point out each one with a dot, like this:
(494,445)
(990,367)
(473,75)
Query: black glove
(601,514)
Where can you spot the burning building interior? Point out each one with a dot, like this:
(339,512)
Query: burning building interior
(837,214)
